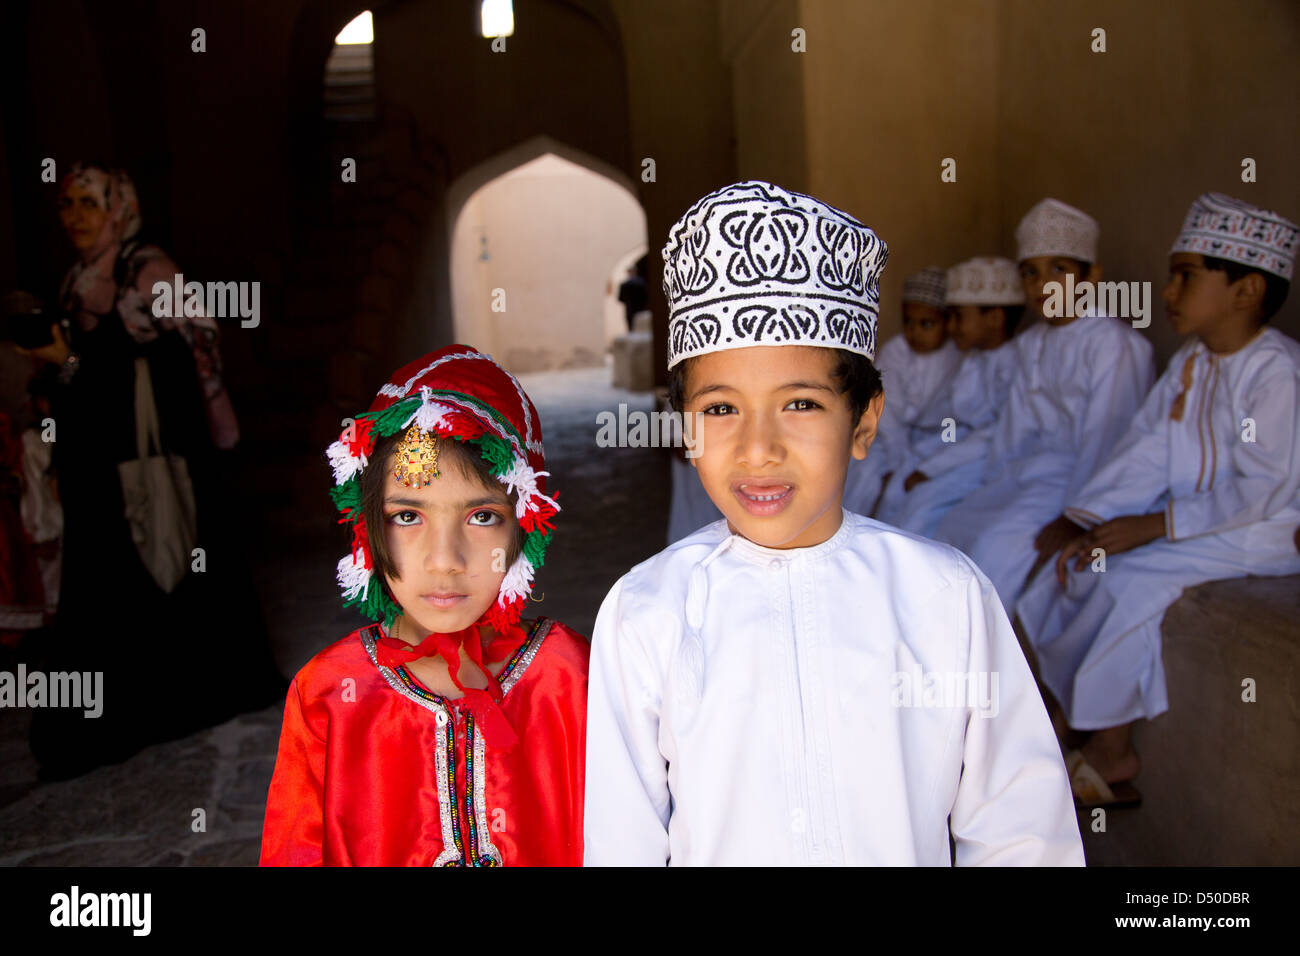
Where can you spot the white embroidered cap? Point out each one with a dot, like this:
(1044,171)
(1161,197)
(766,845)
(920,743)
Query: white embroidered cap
(927,286)
(1225,228)
(985,280)
(1052,228)
(754,264)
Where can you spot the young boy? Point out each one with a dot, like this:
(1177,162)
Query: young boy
(757,692)
(913,367)
(1078,382)
(1203,486)
(450,734)
(949,442)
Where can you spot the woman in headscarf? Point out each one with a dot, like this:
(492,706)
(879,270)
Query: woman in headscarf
(112,615)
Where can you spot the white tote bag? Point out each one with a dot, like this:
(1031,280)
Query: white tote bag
(158,494)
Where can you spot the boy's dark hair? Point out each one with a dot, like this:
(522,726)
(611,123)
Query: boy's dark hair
(1082,266)
(450,451)
(854,374)
(1275,287)
(1011,315)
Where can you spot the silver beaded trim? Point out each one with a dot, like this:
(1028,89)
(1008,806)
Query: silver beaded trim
(442,718)
(485,847)
(513,677)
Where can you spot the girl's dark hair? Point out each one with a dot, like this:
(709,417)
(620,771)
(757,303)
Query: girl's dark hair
(450,452)
(1275,287)
(853,374)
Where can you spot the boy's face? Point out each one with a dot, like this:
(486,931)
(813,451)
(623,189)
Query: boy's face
(776,435)
(971,327)
(443,540)
(1037,271)
(1196,298)
(923,326)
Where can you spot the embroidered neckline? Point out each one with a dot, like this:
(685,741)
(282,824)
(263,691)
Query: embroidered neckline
(474,848)
(411,686)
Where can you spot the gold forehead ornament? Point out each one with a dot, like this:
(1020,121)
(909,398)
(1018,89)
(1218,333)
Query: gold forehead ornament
(415,463)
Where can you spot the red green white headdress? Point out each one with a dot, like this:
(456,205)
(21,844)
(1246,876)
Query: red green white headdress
(462,394)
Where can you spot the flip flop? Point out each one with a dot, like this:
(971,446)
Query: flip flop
(1090,790)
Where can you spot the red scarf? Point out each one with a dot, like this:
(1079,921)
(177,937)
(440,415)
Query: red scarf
(485,705)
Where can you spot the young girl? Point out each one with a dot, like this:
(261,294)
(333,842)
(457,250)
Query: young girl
(450,733)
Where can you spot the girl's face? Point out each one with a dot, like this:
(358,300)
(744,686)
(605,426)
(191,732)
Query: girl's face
(449,542)
(82,215)
(923,326)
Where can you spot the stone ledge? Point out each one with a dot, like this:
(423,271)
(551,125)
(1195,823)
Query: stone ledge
(1220,781)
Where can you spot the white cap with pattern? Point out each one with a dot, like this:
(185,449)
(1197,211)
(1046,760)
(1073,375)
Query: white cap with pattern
(926,287)
(1225,228)
(985,280)
(755,264)
(1052,228)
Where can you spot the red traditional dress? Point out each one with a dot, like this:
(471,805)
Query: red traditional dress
(381,772)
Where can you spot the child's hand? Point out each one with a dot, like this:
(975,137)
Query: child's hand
(1113,537)
(914,479)
(1069,551)
(1055,535)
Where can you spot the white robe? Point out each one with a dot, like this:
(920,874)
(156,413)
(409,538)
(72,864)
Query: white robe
(1074,392)
(691,508)
(745,706)
(976,393)
(910,380)
(1231,509)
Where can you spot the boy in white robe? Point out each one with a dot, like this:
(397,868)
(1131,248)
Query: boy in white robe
(1077,384)
(798,684)
(913,366)
(950,440)
(1203,486)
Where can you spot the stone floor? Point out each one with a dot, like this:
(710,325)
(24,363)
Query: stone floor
(199,801)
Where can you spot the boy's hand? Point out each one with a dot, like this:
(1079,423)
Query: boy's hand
(1113,537)
(1055,535)
(914,479)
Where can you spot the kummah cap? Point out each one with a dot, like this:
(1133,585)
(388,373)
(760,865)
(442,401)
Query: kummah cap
(1051,228)
(755,264)
(454,394)
(985,280)
(927,287)
(1225,228)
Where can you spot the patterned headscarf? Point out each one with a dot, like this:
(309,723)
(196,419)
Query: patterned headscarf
(114,192)
(459,394)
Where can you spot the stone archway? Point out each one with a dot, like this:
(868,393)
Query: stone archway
(533,236)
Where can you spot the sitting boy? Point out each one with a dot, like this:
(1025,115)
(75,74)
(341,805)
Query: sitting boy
(1079,380)
(797,684)
(1203,486)
(950,440)
(913,367)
